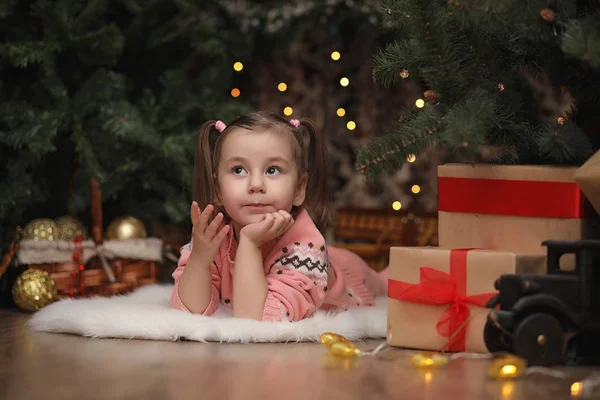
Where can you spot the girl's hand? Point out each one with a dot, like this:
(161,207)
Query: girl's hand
(205,238)
(272,226)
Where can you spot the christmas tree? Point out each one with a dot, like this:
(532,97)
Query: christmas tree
(504,81)
(112,90)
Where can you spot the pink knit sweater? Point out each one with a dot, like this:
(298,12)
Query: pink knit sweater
(302,273)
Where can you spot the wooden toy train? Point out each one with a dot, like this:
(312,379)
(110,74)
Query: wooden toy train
(547,319)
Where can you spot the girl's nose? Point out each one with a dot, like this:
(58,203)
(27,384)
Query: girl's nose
(257,184)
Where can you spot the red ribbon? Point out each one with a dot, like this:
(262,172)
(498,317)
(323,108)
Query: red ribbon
(510,197)
(437,288)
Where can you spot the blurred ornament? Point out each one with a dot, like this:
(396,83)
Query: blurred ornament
(548,14)
(125,228)
(501,87)
(404,74)
(561,120)
(70,228)
(33,290)
(41,229)
(431,96)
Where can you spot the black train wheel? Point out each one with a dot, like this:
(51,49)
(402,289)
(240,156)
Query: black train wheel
(539,339)
(495,340)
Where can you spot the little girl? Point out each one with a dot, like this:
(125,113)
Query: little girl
(262,254)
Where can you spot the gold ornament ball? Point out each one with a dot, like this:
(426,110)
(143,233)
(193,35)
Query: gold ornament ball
(41,229)
(69,228)
(404,74)
(125,228)
(33,290)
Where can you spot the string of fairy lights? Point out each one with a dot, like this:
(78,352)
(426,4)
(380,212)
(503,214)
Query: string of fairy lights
(340,112)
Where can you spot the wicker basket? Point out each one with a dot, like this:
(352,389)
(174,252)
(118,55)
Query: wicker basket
(371,232)
(133,262)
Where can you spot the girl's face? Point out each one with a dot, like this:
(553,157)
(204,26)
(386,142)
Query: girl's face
(257,174)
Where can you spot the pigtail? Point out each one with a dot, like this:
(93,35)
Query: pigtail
(204,189)
(318,175)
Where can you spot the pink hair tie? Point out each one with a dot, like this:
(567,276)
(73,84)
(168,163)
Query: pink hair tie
(220,125)
(295,122)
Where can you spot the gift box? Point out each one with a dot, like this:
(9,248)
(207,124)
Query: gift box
(507,207)
(437,297)
(588,178)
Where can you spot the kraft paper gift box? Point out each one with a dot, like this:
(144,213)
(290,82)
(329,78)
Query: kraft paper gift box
(588,179)
(437,297)
(507,207)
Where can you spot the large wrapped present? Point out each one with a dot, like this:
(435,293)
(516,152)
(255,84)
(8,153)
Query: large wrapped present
(588,178)
(437,297)
(507,207)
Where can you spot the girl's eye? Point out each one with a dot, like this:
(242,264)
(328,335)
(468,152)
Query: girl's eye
(273,170)
(238,170)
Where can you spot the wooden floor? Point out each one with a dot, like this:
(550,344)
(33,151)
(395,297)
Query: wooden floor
(56,366)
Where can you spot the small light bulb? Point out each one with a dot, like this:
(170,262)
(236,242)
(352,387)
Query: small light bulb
(238,66)
(507,367)
(351,125)
(235,92)
(396,205)
(282,87)
(411,158)
(415,189)
(344,81)
(428,360)
(576,389)
(335,55)
(341,112)
(288,111)
(420,103)
(508,370)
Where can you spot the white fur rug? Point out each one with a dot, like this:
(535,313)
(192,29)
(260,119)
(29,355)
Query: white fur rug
(145,314)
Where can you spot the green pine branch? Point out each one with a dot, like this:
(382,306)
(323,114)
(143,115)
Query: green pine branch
(390,151)
(396,57)
(581,40)
(566,141)
(25,53)
(102,46)
(512,82)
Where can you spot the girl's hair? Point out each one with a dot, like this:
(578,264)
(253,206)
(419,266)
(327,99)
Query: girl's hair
(310,153)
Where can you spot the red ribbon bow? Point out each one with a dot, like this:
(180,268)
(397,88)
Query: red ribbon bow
(437,288)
